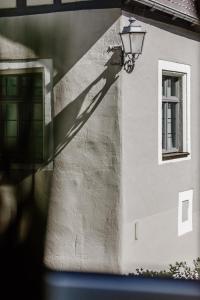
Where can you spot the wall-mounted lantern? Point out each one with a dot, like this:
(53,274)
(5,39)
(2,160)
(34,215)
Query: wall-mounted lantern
(132,37)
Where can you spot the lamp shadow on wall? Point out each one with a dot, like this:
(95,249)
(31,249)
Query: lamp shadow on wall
(58,36)
(38,37)
(71,119)
(21,260)
(24,229)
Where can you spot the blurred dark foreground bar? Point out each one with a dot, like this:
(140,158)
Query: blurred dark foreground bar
(80,286)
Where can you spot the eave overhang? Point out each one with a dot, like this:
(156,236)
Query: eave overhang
(175,13)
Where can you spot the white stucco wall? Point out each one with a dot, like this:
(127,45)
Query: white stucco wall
(105,176)
(151,191)
(84,218)
(82,190)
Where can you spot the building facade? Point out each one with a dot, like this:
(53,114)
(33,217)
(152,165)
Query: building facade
(160,148)
(107,161)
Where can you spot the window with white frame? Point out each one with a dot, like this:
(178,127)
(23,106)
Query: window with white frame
(185,212)
(174,111)
(21,115)
(25,110)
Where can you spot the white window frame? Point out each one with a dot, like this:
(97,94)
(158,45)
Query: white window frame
(185,71)
(186,226)
(46,65)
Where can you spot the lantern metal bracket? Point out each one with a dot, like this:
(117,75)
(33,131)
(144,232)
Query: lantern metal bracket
(114,49)
(127,60)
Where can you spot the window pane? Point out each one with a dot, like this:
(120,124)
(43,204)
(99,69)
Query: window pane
(164,133)
(185,210)
(38,85)
(37,128)
(11,88)
(170,86)
(11,111)
(21,116)
(174,86)
(3,112)
(37,112)
(171,125)
(180,126)
(32,85)
(164,86)
(11,128)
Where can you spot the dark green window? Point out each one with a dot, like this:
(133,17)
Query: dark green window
(21,117)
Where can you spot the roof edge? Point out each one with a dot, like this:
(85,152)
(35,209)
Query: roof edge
(169,10)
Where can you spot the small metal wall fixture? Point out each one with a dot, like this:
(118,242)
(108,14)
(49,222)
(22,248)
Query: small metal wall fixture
(132,37)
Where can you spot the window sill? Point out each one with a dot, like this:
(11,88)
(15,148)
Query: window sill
(174,155)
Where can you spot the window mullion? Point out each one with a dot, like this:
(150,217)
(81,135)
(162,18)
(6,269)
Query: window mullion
(178,138)
(166,127)
(166,117)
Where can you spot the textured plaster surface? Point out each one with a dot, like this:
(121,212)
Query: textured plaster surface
(150,191)
(106,175)
(83,229)
(83,189)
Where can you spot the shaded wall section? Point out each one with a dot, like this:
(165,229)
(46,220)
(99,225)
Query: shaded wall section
(79,181)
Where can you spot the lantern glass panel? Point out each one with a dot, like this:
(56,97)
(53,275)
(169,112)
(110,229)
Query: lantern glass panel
(137,39)
(126,42)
